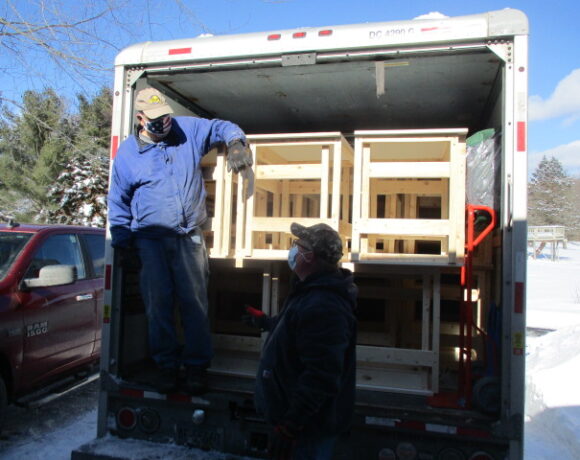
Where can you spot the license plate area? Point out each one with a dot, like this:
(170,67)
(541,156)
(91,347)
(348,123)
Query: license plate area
(205,438)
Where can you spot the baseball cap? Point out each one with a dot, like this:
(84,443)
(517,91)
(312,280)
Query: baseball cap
(152,103)
(324,240)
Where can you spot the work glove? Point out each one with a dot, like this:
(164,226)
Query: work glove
(283,440)
(255,318)
(239,156)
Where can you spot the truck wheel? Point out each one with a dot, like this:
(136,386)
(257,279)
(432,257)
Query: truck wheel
(3,401)
(486,395)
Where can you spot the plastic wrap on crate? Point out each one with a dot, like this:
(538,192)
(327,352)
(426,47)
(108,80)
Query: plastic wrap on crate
(483,168)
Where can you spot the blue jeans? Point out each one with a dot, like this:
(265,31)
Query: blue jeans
(174,271)
(314,448)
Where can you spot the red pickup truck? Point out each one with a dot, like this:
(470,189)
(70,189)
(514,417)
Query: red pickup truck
(51,300)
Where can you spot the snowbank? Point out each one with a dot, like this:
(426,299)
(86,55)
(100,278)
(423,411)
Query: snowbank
(552,427)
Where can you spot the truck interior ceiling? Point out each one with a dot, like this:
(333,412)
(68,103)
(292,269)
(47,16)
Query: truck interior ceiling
(426,90)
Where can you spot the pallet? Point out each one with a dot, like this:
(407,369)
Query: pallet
(394,172)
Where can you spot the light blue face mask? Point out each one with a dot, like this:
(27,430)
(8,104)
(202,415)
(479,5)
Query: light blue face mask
(292,254)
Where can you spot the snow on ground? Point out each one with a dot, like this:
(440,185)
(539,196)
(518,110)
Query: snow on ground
(552,426)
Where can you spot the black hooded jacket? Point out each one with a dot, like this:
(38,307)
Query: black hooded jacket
(307,369)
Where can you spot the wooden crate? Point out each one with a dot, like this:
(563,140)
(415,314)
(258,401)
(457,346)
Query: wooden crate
(402,180)
(302,178)
(398,329)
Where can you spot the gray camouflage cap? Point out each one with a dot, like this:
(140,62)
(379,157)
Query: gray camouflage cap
(325,241)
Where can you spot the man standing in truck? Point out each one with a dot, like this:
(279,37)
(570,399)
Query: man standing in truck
(157,206)
(305,384)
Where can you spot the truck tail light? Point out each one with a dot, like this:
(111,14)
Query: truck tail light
(127,418)
(480,455)
(387,454)
(450,453)
(406,451)
(149,421)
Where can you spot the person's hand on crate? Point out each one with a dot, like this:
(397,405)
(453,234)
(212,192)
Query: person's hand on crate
(256,318)
(239,156)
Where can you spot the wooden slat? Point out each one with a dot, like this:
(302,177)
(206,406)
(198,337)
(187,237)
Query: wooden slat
(417,169)
(404,227)
(290,171)
(282,224)
(386,355)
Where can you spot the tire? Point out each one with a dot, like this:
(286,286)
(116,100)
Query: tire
(487,395)
(3,401)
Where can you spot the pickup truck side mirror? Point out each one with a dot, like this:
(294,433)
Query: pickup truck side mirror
(52,275)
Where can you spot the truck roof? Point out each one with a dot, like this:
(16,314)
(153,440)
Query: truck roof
(506,22)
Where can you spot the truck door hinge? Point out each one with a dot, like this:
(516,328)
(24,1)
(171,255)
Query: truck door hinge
(502,49)
(298,59)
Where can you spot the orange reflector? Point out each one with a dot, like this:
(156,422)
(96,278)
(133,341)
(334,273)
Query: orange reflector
(274,37)
(299,35)
(325,33)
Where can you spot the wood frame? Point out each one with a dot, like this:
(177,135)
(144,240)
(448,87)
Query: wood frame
(443,161)
(290,167)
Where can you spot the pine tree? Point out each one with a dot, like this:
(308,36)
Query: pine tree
(549,195)
(33,147)
(81,188)
(81,193)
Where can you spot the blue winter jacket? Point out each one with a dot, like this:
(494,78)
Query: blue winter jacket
(158,189)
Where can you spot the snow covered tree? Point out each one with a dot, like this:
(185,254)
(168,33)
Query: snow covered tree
(549,194)
(44,147)
(80,192)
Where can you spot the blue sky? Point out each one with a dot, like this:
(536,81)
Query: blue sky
(554,53)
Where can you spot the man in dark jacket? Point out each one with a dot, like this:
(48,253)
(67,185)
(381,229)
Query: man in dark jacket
(305,384)
(157,205)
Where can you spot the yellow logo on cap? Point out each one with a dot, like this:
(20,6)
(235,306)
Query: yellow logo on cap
(154,100)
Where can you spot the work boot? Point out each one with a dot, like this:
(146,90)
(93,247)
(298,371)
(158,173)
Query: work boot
(195,380)
(166,380)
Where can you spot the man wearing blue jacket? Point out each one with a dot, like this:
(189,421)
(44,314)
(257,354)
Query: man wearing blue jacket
(305,385)
(157,206)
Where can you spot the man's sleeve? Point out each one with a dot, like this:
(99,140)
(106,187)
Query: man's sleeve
(322,340)
(211,132)
(119,203)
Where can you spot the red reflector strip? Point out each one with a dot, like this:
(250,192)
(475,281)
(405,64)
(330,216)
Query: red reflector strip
(299,35)
(519,298)
(131,392)
(108,277)
(274,37)
(411,425)
(179,51)
(179,397)
(429,29)
(114,146)
(324,33)
(474,433)
(521,136)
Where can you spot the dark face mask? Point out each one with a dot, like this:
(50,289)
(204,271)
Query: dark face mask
(159,127)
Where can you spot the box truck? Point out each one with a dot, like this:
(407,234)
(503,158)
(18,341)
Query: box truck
(409,138)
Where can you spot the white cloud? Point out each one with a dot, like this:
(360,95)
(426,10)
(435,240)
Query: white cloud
(564,101)
(432,15)
(567,154)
